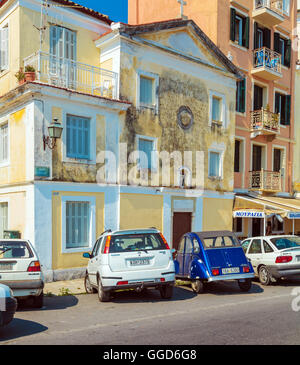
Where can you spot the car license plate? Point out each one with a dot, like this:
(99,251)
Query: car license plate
(138,262)
(6,267)
(298,258)
(231,270)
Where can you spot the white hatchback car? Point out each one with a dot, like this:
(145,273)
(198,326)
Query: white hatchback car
(273,257)
(130,259)
(20,270)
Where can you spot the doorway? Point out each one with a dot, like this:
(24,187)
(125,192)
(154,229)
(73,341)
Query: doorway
(256,227)
(182,223)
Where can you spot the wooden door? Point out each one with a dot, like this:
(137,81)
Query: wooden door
(182,223)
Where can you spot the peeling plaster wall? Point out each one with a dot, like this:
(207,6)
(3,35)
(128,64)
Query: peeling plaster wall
(180,83)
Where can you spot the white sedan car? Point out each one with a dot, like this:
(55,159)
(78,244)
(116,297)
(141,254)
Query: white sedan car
(273,257)
(20,270)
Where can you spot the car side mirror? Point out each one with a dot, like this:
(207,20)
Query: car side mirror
(86,255)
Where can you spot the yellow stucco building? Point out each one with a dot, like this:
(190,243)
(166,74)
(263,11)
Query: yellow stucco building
(148,118)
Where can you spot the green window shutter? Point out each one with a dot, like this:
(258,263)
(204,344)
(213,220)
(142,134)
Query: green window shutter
(277,102)
(267,38)
(255,40)
(276,42)
(287,53)
(232,24)
(246,32)
(288,109)
(243,96)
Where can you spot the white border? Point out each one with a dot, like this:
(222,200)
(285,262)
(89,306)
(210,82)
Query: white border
(217,94)
(4,121)
(92,233)
(153,154)
(155,78)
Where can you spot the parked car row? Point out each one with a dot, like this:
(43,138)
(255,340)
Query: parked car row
(141,258)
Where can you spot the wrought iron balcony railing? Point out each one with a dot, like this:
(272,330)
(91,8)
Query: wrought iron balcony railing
(265,121)
(265,180)
(73,75)
(266,58)
(274,5)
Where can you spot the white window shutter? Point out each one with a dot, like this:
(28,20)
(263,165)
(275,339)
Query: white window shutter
(4,48)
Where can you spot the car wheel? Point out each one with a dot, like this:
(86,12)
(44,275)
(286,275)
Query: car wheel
(38,301)
(103,296)
(166,291)
(264,275)
(87,284)
(245,285)
(197,286)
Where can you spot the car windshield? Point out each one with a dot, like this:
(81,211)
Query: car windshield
(14,250)
(221,241)
(286,242)
(136,242)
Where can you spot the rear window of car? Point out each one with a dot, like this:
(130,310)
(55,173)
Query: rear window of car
(136,242)
(220,241)
(286,242)
(15,250)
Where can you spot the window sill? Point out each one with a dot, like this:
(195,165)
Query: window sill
(215,178)
(153,108)
(241,114)
(243,48)
(4,164)
(4,72)
(79,161)
(76,250)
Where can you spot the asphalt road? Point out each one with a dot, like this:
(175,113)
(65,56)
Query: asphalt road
(223,315)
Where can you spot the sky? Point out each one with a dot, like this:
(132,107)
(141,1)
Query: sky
(115,9)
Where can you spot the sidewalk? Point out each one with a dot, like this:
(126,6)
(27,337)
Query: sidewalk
(67,287)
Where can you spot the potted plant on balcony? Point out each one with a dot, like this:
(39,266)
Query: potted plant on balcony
(20,75)
(29,73)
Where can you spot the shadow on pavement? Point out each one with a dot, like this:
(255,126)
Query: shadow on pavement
(226,288)
(50,303)
(150,295)
(20,328)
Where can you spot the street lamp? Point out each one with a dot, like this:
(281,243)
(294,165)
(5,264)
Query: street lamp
(55,130)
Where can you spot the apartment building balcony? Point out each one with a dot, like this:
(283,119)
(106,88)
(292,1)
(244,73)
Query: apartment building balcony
(266,64)
(264,122)
(268,12)
(266,181)
(73,75)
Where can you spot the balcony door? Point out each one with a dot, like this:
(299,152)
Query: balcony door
(256,158)
(258,97)
(62,70)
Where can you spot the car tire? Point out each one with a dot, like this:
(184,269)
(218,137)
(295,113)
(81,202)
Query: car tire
(87,285)
(245,285)
(103,296)
(197,286)
(38,301)
(264,275)
(166,291)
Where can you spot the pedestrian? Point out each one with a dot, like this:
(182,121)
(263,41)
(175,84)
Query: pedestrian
(269,229)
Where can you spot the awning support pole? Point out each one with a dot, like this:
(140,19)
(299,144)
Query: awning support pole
(264,225)
(293,226)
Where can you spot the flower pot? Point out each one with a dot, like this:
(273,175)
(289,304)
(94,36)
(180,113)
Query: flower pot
(29,76)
